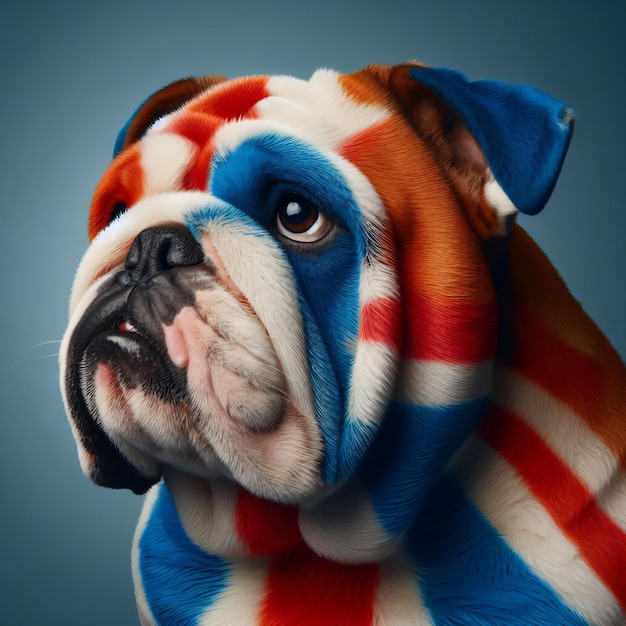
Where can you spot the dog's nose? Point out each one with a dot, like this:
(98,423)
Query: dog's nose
(158,249)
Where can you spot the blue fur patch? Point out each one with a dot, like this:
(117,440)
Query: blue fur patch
(523,132)
(409,453)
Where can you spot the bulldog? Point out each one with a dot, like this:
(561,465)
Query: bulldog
(354,390)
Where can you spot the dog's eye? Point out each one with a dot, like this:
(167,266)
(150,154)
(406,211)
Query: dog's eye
(118,209)
(300,220)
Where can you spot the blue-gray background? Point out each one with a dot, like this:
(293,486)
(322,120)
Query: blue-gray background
(71,72)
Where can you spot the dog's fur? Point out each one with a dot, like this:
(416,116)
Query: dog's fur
(365,394)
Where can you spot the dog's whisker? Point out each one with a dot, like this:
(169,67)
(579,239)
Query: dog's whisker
(45,343)
(55,413)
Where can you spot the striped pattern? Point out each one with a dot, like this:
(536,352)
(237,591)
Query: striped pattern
(473,463)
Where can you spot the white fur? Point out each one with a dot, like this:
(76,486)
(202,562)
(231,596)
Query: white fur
(372,381)
(612,499)
(164,159)
(398,601)
(207,512)
(268,284)
(281,464)
(434,383)
(377,282)
(305,107)
(345,528)
(565,432)
(110,247)
(502,204)
(500,494)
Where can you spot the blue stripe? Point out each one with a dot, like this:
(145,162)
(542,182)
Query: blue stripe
(180,580)
(470,576)
(326,393)
(356,439)
(410,452)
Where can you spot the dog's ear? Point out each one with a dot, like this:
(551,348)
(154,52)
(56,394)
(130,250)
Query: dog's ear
(161,103)
(502,145)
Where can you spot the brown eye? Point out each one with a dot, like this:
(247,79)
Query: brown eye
(118,209)
(300,220)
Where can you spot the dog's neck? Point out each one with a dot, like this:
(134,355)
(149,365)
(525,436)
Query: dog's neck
(556,379)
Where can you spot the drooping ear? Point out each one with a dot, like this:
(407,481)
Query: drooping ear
(502,145)
(161,103)
(524,133)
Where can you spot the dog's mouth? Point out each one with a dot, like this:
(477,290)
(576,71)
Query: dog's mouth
(163,365)
(123,329)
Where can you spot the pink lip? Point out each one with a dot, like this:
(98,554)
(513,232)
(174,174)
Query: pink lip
(179,335)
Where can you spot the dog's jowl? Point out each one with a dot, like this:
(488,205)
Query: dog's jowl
(354,390)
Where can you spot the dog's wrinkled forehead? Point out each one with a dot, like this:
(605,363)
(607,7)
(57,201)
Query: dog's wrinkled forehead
(178,149)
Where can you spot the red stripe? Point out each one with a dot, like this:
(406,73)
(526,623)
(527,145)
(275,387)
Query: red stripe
(234,99)
(380,322)
(601,543)
(197,175)
(307,590)
(266,527)
(195,127)
(452,333)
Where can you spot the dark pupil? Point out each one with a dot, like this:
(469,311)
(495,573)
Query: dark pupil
(298,216)
(118,209)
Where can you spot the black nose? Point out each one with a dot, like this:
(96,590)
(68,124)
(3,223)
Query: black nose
(158,249)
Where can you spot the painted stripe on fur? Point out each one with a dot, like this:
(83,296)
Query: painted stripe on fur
(600,541)
(471,576)
(499,492)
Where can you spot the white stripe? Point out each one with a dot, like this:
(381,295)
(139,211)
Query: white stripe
(398,601)
(501,204)
(433,383)
(164,159)
(378,282)
(566,433)
(319,108)
(499,492)
(612,499)
(239,604)
(345,528)
(207,512)
(143,607)
(372,381)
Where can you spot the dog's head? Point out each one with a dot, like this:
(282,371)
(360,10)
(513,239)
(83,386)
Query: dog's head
(277,265)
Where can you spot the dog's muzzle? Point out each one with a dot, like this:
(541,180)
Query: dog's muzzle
(123,329)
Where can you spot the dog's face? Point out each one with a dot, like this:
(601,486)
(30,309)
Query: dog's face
(275,262)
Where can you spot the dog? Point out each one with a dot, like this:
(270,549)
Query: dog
(355,391)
